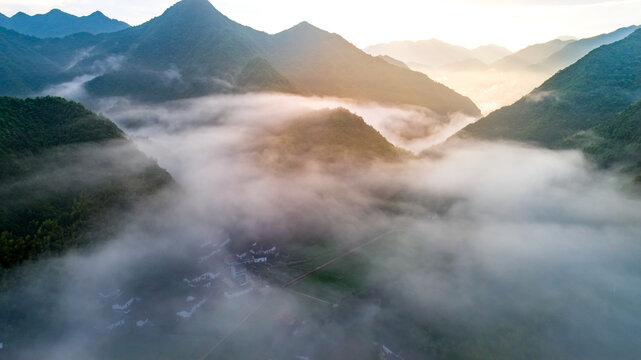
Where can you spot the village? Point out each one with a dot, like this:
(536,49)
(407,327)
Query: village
(222,274)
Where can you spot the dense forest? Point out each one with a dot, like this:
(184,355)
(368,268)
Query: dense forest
(591,105)
(330,136)
(64,172)
(192,50)
(616,142)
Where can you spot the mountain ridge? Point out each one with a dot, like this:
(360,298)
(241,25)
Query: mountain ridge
(436,53)
(575,50)
(192,50)
(57,23)
(584,97)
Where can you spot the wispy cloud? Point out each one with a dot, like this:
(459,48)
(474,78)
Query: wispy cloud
(490,239)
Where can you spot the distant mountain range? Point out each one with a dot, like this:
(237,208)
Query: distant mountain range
(531,55)
(57,23)
(546,58)
(558,54)
(592,104)
(436,53)
(492,85)
(575,50)
(193,50)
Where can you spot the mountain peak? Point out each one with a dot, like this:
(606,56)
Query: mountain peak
(57,14)
(19,14)
(305,27)
(57,23)
(192,11)
(98,14)
(198,5)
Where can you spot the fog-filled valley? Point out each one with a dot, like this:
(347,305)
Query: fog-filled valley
(472,249)
(493,76)
(192,188)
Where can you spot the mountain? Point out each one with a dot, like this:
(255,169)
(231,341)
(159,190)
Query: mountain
(490,53)
(615,142)
(320,63)
(558,54)
(334,136)
(64,173)
(531,55)
(260,75)
(192,50)
(575,50)
(588,96)
(22,67)
(436,53)
(391,60)
(57,23)
(431,53)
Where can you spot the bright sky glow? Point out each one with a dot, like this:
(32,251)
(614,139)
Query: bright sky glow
(470,23)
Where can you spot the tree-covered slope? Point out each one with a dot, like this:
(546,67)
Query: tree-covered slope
(259,75)
(57,23)
(321,63)
(192,49)
(23,69)
(28,64)
(329,136)
(580,97)
(211,54)
(32,126)
(64,172)
(578,49)
(615,142)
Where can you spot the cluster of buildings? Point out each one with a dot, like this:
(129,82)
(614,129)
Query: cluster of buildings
(248,260)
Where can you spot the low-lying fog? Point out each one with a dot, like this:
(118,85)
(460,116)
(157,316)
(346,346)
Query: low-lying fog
(488,250)
(414,128)
(490,89)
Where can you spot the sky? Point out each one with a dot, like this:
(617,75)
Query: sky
(511,23)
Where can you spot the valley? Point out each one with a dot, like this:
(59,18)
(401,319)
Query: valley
(189,187)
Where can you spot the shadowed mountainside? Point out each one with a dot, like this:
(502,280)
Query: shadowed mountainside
(193,50)
(64,172)
(57,23)
(597,95)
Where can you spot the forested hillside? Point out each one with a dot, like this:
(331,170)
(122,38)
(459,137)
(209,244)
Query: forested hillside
(58,23)
(581,97)
(64,173)
(193,50)
(331,136)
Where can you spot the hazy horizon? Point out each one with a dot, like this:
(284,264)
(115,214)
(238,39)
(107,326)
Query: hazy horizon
(461,22)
